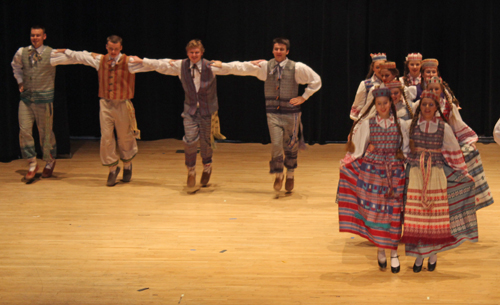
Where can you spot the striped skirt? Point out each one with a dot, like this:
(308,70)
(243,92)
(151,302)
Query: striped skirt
(364,208)
(475,168)
(461,213)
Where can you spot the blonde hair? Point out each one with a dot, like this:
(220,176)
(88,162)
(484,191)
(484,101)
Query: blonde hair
(195,43)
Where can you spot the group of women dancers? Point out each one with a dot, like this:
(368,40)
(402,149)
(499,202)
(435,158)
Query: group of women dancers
(411,161)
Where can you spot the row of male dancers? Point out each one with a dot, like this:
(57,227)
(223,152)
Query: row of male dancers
(34,68)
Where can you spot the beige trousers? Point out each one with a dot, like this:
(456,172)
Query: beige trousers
(114,115)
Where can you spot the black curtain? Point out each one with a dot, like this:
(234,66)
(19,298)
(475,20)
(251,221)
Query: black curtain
(334,38)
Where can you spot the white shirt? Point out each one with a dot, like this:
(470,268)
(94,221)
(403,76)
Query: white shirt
(55,59)
(304,75)
(86,58)
(496,132)
(163,66)
(361,138)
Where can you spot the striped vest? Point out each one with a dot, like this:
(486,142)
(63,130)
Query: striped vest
(116,83)
(206,98)
(279,92)
(38,78)
(433,141)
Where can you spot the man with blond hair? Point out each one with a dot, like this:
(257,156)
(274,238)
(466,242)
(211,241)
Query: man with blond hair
(199,82)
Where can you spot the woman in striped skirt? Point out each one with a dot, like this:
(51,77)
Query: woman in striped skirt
(467,139)
(370,194)
(439,211)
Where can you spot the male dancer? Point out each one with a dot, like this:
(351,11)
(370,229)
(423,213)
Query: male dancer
(35,72)
(116,72)
(282,77)
(199,81)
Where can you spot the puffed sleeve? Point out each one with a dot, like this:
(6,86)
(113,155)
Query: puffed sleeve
(360,140)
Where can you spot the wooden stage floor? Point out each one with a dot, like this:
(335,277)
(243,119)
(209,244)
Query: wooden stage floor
(72,240)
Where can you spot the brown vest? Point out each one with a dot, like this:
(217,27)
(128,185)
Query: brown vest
(116,83)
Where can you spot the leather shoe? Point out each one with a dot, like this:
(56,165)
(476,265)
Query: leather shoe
(127,174)
(382,265)
(30,175)
(416,268)
(112,177)
(431,267)
(205,177)
(289,184)
(191,181)
(395,269)
(47,171)
(278,183)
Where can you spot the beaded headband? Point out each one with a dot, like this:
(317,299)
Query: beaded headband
(378,56)
(388,65)
(429,94)
(381,92)
(435,80)
(414,56)
(393,84)
(430,63)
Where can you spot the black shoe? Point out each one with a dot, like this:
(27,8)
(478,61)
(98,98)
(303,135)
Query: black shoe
(112,177)
(416,268)
(431,267)
(127,174)
(395,269)
(382,265)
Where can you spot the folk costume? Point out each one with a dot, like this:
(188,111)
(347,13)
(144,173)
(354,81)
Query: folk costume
(496,132)
(370,193)
(440,213)
(466,138)
(116,91)
(35,69)
(361,98)
(282,81)
(201,121)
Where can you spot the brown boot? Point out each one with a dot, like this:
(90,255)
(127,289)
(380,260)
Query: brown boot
(289,184)
(191,180)
(30,175)
(112,177)
(47,171)
(278,183)
(205,177)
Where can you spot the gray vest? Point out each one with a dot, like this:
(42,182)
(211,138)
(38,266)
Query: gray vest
(206,98)
(278,92)
(38,78)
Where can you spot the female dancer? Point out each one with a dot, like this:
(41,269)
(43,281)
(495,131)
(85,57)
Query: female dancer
(372,79)
(412,76)
(467,139)
(370,193)
(439,211)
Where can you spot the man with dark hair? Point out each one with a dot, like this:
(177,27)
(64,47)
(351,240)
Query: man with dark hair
(116,73)
(199,82)
(282,77)
(35,72)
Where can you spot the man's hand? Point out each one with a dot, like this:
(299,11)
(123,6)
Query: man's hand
(257,62)
(21,87)
(297,100)
(216,63)
(60,50)
(136,59)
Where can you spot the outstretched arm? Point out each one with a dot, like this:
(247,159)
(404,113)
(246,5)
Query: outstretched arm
(239,68)
(80,57)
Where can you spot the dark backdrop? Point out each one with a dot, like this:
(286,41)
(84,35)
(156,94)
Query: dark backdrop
(332,37)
